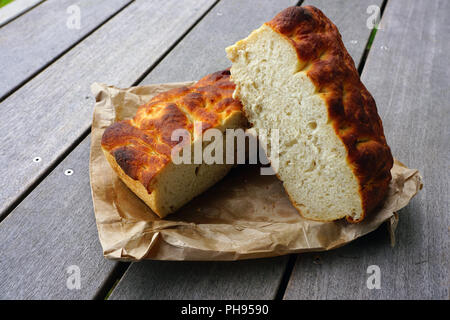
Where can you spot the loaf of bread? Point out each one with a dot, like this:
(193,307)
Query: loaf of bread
(139,150)
(295,75)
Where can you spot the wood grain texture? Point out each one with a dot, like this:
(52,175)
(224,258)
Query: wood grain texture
(248,279)
(50,231)
(47,114)
(15,9)
(33,40)
(407,72)
(196,54)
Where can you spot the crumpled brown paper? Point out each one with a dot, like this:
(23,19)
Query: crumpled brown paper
(244,216)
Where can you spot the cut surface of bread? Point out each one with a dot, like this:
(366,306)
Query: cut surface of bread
(294,75)
(139,150)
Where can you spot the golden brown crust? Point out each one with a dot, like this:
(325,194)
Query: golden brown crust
(351,108)
(142,146)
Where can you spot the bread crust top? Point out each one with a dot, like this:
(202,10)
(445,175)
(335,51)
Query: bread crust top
(142,146)
(351,108)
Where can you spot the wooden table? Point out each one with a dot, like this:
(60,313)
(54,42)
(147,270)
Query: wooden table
(47,222)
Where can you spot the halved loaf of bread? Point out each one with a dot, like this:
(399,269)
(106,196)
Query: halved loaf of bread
(295,75)
(139,150)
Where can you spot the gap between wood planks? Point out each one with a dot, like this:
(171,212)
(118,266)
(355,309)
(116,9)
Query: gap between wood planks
(58,56)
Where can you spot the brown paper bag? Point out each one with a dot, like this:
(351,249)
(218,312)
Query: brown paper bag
(244,216)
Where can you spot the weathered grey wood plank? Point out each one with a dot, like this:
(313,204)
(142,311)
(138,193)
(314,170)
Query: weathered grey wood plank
(407,72)
(50,231)
(33,40)
(201,52)
(45,116)
(15,8)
